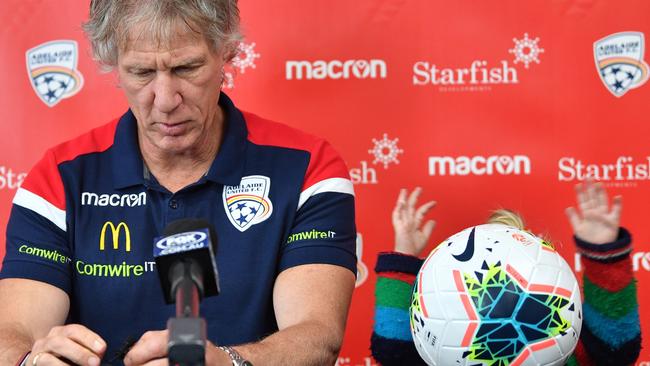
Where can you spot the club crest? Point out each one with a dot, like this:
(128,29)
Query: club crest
(248,203)
(619,61)
(52,69)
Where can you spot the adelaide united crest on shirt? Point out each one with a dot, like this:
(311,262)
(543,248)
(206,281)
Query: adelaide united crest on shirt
(248,203)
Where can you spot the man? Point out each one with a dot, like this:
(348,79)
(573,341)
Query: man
(78,279)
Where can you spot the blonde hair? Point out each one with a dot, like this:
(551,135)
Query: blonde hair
(507,217)
(511,218)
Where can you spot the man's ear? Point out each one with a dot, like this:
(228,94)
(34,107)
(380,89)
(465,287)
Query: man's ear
(116,78)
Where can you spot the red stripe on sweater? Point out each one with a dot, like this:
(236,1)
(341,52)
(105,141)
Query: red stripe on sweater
(324,161)
(581,355)
(404,277)
(44,179)
(610,276)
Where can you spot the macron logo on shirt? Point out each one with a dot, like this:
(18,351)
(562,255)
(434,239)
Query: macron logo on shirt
(114,200)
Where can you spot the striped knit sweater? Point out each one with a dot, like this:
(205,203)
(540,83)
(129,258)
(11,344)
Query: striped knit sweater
(610,335)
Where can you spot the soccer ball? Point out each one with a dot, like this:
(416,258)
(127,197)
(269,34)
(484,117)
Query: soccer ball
(495,295)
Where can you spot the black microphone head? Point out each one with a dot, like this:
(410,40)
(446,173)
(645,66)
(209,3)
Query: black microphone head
(187,240)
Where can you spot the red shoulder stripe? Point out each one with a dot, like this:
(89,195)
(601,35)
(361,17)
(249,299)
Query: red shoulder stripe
(324,162)
(44,179)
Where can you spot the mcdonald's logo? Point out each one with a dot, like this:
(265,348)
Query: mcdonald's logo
(115,232)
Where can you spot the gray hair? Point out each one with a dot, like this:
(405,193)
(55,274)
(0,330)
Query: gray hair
(110,21)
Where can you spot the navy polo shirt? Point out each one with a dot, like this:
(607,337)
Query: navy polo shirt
(85,218)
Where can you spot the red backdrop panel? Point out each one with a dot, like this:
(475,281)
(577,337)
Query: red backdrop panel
(484,104)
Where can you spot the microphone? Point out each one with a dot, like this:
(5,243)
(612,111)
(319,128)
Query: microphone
(187,271)
(183,241)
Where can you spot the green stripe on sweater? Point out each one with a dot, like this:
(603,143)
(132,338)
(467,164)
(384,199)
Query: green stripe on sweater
(613,305)
(572,361)
(393,293)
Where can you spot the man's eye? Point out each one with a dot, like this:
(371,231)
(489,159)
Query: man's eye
(184,69)
(142,72)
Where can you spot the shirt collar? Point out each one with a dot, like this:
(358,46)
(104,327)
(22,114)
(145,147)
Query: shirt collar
(125,154)
(227,167)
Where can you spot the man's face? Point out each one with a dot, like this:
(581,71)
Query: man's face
(172,90)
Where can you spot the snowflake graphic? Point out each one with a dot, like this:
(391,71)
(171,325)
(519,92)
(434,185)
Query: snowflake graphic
(526,50)
(244,59)
(385,151)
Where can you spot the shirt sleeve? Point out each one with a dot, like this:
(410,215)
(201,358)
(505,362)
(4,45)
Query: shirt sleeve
(611,332)
(36,246)
(324,229)
(391,342)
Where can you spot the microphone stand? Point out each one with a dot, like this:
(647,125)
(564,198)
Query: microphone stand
(187,331)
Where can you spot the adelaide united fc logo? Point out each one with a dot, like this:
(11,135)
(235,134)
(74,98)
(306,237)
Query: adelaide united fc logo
(52,69)
(248,203)
(620,63)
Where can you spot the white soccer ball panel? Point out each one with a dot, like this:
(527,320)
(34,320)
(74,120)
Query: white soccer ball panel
(453,306)
(455,333)
(568,344)
(443,276)
(433,305)
(453,356)
(549,356)
(523,264)
(549,257)
(544,275)
(427,340)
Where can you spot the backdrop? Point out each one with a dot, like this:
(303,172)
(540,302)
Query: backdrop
(485,104)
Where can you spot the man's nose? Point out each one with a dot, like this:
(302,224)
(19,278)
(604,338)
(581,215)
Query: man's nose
(167,94)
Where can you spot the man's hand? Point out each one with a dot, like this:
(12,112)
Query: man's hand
(596,222)
(151,350)
(72,342)
(410,235)
(32,315)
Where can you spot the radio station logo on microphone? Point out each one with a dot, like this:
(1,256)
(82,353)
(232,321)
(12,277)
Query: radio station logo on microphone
(52,69)
(479,75)
(248,203)
(619,61)
(181,242)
